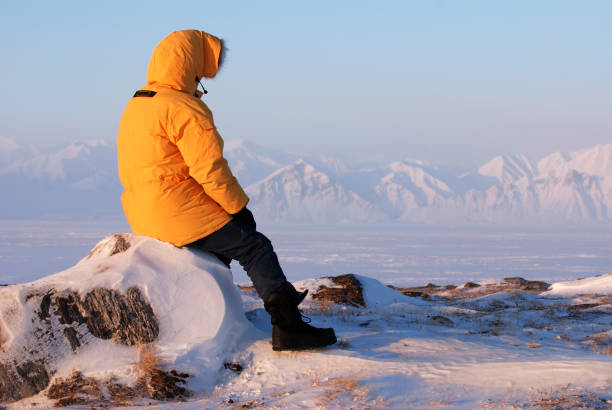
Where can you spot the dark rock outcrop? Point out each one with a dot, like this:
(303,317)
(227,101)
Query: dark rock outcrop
(128,320)
(349,292)
(19,380)
(108,314)
(527,285)
(117,243)
(79,390)
(63,323)
(471,289)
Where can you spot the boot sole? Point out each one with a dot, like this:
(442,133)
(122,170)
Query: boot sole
(282,340)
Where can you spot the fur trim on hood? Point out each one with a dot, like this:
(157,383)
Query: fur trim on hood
(182,56)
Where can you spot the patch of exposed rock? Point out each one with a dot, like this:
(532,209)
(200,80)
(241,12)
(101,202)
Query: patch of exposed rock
(471,289)
(348,291)
(80,390)
(116,243)
(107,313)
(22,379)
(65,321)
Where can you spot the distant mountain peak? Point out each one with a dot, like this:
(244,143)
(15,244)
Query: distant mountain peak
(299,168)
(574,186)
(595,161)
(301,162)
(236,144)
(508,168)
(7,145)
(300,193)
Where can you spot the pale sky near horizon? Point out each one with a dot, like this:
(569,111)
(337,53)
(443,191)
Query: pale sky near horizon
(444,81)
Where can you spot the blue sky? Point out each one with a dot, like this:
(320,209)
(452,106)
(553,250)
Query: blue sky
(447,81)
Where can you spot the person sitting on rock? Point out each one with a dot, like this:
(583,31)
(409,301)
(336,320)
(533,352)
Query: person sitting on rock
(178,187)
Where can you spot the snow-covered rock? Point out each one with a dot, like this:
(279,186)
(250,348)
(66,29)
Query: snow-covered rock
(353,290)
(129,291)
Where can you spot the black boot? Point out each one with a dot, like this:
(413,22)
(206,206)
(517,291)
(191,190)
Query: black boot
(289,331)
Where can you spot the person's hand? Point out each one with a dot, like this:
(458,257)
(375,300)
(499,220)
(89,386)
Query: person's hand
(245,217)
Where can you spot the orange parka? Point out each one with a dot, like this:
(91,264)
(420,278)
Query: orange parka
(177,186)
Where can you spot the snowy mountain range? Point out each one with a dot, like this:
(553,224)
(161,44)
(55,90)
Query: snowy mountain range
(576,187)
(77,180)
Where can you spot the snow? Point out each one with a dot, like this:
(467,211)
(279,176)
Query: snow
(596,161)
(394,356)
(500,350)
(90,155)
(400,256)
(408,187)
(299,192)
(198,307)
(7,145)
(508,168)
(251,162)
(508,190)
(597,285)
(313,284)
(376,294)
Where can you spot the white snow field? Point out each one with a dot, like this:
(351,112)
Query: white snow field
(403,256)
(475,349)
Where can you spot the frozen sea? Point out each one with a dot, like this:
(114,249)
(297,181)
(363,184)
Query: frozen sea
(403,256)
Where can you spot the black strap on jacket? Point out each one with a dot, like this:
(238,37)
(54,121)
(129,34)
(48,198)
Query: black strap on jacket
(144,93)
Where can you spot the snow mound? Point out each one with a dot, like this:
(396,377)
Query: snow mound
(598,285)
(375,293)
(192,295)
(357,291)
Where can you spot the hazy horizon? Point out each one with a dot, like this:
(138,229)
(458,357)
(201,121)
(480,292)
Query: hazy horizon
(348,158)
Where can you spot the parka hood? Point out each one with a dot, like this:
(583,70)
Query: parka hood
(181,57)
